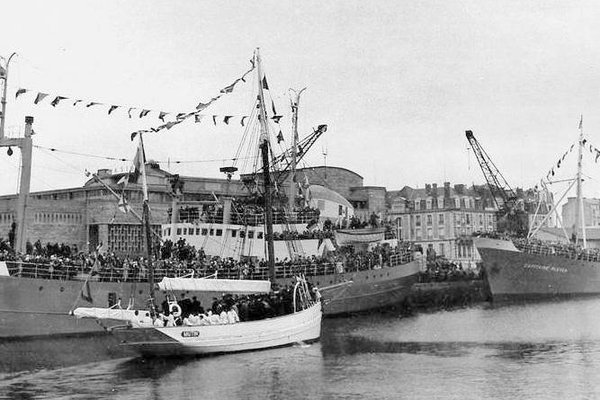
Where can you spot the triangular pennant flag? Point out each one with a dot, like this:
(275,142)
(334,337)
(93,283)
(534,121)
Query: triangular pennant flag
(181,116)
(300,151)
(77,102)
(20,92)
(56,100)
(134,134)
(584,142)
(279,137)
(122,205)
(198,118)
(112,108)
(129,112)
(226,119)
(215,119)
(558,164)
(590,148)
(276,118)
(144,113)
(92,103)
(597,155)
(552,171)
(229,89)
(162,116)
(201,106)
(264,83)
(40,97)
(124,179)
(171,124)
(243,118)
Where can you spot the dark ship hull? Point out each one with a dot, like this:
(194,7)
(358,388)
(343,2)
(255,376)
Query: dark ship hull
(34,307)
(514,275)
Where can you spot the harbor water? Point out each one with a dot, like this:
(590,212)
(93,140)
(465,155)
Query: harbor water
(544,350)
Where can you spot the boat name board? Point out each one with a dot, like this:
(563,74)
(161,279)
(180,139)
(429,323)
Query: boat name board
(188,334)
(546,268)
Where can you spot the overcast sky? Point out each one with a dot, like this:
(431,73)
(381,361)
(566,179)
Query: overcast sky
(397,83)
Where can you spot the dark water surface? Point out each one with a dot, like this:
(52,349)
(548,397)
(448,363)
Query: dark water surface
(543,351)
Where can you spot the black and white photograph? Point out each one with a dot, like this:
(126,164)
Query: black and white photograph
(300,200)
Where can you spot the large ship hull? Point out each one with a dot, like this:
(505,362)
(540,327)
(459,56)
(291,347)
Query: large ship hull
(31,307)
(513,275)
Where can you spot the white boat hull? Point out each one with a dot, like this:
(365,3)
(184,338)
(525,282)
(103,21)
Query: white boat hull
(303,326)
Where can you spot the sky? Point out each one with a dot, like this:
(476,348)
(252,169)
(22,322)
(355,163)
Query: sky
(397,83)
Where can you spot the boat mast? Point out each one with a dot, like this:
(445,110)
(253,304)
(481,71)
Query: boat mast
(264,148)
(146,219)
(579,214)
(295,105)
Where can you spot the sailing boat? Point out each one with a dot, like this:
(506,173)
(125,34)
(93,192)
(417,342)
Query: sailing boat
(530,269)
(145,333)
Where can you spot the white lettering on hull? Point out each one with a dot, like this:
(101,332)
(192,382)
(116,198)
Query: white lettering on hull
(546,268)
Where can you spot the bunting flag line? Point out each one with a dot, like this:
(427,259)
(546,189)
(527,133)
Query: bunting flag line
(226,119)
(162,116)
(198,118)
(77,102)
(20,92)
(242,121)
(279,137)
(264,83)
(112,108)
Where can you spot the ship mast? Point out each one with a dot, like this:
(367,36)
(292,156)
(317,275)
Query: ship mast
(579,214)
(146,220)
(264,148)
(295,105)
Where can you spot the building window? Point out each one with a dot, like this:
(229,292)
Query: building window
(428,204)
(441,233)
(418,233)
(429,219)
(211,232)
(250,234)
(259,235)
(219,232)
(179,231)
(440,219)
(441,251)
(417,204)
(417,220)
(429,233)
(204,231)
(233,233)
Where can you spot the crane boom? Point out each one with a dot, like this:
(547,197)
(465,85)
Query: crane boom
(498,186)
(510,217)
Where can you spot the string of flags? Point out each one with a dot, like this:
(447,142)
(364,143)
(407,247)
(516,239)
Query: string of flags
(586,145)
(198,117)
(140,112)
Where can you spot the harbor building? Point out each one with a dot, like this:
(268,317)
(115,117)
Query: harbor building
(87,216)
(442,219)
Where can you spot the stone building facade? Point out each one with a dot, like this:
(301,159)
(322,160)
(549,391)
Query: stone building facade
(443,219)
(86,216)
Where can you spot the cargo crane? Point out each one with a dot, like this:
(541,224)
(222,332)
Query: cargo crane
(511,217)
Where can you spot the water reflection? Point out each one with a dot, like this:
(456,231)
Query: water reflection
(539,351)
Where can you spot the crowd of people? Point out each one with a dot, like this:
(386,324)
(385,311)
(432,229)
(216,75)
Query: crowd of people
(182,259)
(229,309)
(440,269)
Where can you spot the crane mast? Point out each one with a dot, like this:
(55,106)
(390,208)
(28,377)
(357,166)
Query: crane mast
(509,216)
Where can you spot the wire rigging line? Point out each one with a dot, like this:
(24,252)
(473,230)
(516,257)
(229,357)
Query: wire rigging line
(51,149)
